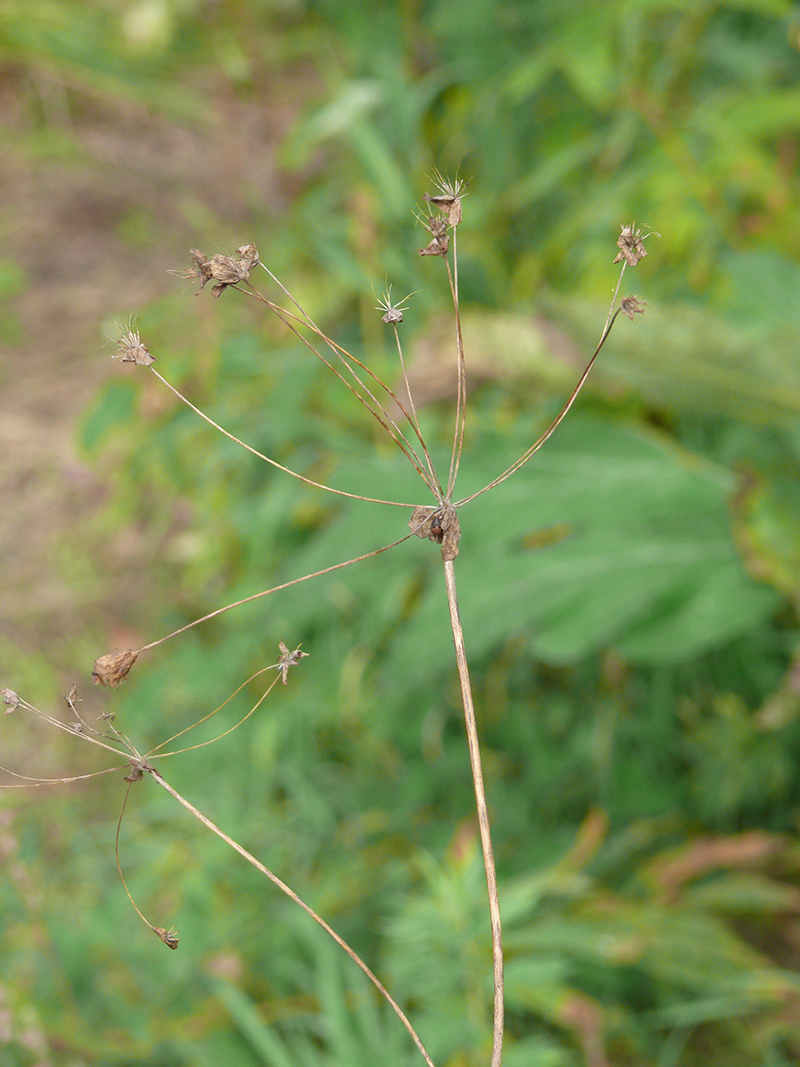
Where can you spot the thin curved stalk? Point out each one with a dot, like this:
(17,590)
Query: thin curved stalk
(284,888)
(461,398)
(267,459)
(551,429)
(275,589)
(483,813)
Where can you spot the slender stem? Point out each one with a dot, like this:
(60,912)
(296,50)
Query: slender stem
(537,444)
(435,483)
(551,429)
(274,589)
(343,355)
(260,455)
(461,399)
(284,888)
(483,813)
(378,411)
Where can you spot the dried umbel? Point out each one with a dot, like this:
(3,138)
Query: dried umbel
(169,937)
(112,669)
(392,313)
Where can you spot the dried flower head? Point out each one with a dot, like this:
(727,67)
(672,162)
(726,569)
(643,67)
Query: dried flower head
(224,270)
(440,242)
(10,698)
(393,313)
(631,244)
(632,305)
(448,197)
(130,348)
(169,937)
(112,669)
(288,659)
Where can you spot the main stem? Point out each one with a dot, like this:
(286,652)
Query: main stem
(483,814)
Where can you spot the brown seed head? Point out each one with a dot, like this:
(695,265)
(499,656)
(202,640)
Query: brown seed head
(393,313)
(10,698)
(169,937)
(632,305)
(447,198)
(631,245)
(130,348)
(440,237)
(437,524)
(224,270)
(288,659)
(112,669)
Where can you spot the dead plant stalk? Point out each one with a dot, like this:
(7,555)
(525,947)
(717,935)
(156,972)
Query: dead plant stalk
(438,523)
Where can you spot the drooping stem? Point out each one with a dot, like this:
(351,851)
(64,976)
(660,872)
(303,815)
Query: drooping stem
(284,888)
(483,813)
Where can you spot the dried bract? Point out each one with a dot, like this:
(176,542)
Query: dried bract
(112,669)
(131,350)
(631,245)
(10,698)
(438,524)
(632,305)
(288,659)
(224,270)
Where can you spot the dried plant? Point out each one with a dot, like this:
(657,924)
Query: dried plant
(437,522)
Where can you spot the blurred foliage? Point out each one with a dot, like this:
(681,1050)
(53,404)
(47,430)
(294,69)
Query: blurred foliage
(629,599)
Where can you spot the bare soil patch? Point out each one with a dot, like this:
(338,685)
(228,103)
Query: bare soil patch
(66,224)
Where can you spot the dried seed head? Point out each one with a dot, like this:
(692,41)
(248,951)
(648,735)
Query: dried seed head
(448,198)
(440,242)
(112,669)
(10,698)
(224,270)
(393,312)
(169,937)
(130,348)
(631,244)
(288,659)
(632,305)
